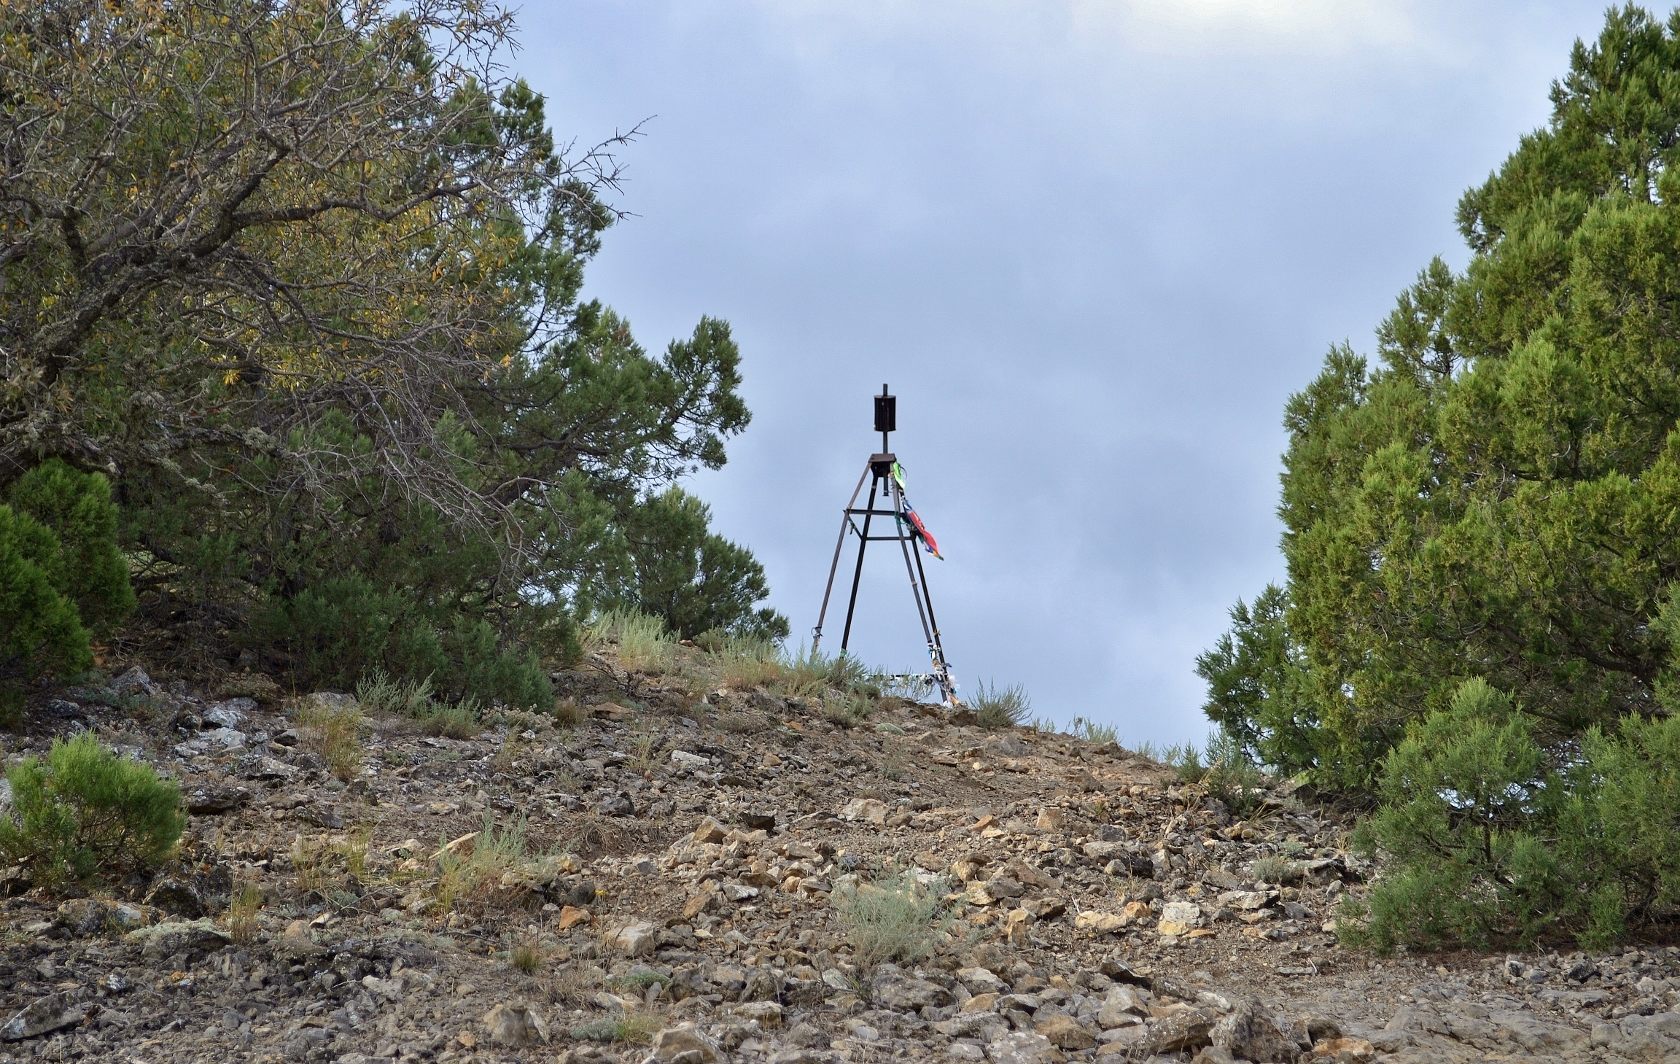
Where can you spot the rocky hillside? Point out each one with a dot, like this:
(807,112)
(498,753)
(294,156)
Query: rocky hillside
(672,869)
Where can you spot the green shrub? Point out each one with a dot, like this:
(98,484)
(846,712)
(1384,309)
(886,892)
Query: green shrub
(346,627)
(851,675)
(87,814)
(1617,829)
(473,874)
(1186,761)
(1464,805)
(40,633)
(806,674)
(453,720)
(1231,774)
(897,919)
(87,566)
(1274,868)
(1006,708)
(63,582)
(490,672)
(339,627)
(379,693)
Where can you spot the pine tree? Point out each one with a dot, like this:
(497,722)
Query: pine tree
(1497,493)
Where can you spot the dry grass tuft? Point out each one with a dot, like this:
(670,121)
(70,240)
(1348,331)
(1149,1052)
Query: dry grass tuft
(334,732)
(749,663)
(244,904)
(526,957)
(1006,708)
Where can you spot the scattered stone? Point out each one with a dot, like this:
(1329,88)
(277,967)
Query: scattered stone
(266,769)
(1342,1051)
(1122,1006)
(981,981)
(1016,926)
(251,685)
(176,896)
(45,1015)
(1133,911)
(1191,1028)
(1254,1033)
(1081,882)
(868,810)
(210,800)
(1247,900)
(801,1056)
(230,714)
(710,831)
(766,1014)
(516,1025)
(1064,1032)
(178,936)
(637,938)
(298,941)
(132,682)
(1024,1047)
(1011,745)
(683,1045)
(1099,922)
(893,988)
(1179,918)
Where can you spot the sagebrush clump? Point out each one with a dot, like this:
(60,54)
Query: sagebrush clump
(84,814)
(896,919)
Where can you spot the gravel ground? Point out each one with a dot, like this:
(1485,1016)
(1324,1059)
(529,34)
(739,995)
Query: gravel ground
(667,879)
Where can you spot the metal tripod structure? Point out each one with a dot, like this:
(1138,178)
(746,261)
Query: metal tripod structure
(884,485)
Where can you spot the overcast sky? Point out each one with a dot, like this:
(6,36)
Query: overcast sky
(1093,246)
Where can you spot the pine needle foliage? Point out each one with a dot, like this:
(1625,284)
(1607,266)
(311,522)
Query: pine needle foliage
(1487,840)
(1494,490)
(84,814)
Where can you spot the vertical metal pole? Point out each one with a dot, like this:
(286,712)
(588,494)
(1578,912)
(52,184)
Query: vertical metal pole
(884,448)
(845,519)
(857,573)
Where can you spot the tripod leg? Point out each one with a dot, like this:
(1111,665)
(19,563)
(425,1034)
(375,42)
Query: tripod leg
(930,626)
(828,589)
(904,540)
(935,646)
(857,573)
